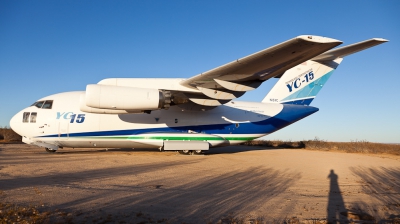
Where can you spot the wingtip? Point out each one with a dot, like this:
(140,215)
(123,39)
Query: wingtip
(380,39)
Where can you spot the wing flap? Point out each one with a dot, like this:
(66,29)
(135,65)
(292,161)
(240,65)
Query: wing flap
(239,86)
(219,94)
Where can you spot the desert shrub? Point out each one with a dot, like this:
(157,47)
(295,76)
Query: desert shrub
(316,144)
(7,134)
(11,213)
(322,145)
(275,143)
(354,147)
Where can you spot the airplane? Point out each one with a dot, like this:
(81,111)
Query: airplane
(190,115)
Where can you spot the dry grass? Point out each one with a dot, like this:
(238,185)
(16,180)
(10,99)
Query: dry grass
(8,135)
(11,213)
(317,144)
(276,144)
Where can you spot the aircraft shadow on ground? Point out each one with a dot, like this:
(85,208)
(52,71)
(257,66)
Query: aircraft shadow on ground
(237,149)
(67,178)
(207,198)
(212,151)
(97,150)
(218,196)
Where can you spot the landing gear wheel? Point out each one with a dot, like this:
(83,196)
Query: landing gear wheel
(50,150)
(185,152)
(197,152)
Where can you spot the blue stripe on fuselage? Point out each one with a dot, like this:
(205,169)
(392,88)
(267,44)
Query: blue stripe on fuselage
(300,102)
(289,114)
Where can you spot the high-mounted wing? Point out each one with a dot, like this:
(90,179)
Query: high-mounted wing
(232,80)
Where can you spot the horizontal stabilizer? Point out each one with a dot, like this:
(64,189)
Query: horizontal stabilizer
(350,49)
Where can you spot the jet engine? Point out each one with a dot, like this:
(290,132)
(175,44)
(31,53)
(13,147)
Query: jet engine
(126,98)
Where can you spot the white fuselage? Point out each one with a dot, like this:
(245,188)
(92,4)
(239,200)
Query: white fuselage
(65,125)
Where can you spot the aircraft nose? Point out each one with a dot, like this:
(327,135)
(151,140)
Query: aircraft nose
(15,123)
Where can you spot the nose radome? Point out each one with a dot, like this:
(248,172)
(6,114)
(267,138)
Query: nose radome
(15,123)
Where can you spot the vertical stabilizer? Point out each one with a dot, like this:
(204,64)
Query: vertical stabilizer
(300,84)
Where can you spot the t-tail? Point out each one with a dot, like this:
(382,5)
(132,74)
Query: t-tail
(301,84)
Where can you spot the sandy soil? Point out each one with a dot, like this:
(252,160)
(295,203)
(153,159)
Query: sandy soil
(243,183)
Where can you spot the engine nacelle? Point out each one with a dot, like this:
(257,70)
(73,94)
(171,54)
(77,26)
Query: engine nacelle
(126,98)
(84,108)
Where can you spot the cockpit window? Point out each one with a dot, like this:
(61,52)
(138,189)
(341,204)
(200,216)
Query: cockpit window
(38,104)
(25,117)
(33,117)
(43,104)
(47,104)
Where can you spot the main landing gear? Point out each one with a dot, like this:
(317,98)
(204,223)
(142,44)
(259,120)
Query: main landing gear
(191,152)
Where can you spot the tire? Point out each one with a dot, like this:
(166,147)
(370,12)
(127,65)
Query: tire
(50,150)
(185,152)
(197,152)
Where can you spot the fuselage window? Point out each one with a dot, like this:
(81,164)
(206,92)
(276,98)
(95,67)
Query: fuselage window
(38,104)
(33,117)
(47,104)
(25,118)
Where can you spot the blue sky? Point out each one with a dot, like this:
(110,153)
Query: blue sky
(48,47)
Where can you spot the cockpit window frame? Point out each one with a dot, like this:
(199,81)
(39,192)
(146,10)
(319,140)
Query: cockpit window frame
(33,117)
(43,104)
(25,117)
(38,104)
(47,102)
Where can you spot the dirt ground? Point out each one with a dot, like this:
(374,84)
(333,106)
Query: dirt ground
(242,183)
